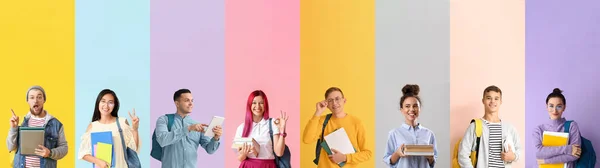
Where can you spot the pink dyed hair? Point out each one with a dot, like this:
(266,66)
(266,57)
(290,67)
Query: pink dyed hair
(248,121)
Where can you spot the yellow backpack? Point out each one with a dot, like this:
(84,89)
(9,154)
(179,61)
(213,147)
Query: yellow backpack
(474,153)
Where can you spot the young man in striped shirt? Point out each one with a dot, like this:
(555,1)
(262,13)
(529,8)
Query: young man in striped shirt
(499,145)
(55,143)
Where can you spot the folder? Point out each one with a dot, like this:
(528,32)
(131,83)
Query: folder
(30,138)
(239,142)
(104,152)
(554,139)
(103,137)
(340,141)
(418,150)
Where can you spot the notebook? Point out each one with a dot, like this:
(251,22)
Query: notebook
(30,138)
(214,122)
(555,139)
(104,152)
(103,137)
(340,141)
(418,150)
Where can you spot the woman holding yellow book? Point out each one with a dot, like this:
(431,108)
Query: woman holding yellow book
(256,126)
(554,148)
(410,133)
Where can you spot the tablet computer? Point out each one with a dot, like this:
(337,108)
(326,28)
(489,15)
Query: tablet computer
(216,120)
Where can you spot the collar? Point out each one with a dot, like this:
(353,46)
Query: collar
(408,127)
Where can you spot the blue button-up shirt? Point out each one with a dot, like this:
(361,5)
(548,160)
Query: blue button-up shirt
(180,145)
(408,135)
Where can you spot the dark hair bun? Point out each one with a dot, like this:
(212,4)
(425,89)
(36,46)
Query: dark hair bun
(557,91)
(410,90)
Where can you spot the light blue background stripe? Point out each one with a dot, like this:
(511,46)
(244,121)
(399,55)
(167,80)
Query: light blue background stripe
(112,50)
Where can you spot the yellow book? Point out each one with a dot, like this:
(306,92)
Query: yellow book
(104,152)
(555,139)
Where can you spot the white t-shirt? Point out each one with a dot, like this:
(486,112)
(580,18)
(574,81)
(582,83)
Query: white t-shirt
(260,133)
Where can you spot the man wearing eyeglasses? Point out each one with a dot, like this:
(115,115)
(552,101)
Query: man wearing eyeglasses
(334,101)
(55,143)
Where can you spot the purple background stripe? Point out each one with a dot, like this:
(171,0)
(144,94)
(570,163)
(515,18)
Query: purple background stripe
(187,51)
(562,47)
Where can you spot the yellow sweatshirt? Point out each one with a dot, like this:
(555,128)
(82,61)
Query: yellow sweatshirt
(355,131)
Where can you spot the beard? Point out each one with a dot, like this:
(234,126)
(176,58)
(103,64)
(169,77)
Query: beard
(36,112)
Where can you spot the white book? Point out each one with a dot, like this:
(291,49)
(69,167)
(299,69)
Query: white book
(239,142)
(340,141)
(216,120)
(558,134)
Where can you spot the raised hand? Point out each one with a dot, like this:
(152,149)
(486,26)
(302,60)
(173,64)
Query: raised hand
(14,120)
(282,121)
(321,106)
(134,119)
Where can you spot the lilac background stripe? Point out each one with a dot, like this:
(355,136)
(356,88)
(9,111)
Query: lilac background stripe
(187,51)
(562,47)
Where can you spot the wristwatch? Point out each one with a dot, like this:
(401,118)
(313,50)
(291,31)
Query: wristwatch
(283,134)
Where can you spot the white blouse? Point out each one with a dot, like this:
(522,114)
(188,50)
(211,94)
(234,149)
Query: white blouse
(260,132)
(85,147)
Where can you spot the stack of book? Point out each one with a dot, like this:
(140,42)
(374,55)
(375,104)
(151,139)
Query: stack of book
(239,142)
(418,150)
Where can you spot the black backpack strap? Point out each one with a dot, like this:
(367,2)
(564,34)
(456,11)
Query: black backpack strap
(318,151)
(271,135)
(477,141)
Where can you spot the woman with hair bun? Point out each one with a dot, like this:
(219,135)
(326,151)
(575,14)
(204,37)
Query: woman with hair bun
(556,105)
(410,133)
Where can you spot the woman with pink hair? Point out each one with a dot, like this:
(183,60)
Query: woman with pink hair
(256,126)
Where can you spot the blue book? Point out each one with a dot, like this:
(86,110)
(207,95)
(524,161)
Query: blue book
(104,137)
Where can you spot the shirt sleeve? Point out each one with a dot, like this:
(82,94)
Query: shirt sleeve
(85,148)
(390,149)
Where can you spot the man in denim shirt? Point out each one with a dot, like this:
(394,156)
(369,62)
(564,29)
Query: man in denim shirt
(55,144)
(181,143)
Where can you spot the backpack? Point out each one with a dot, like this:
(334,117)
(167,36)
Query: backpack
(157,151)
(588,155)
(283,161)
(318,147)
(475,152)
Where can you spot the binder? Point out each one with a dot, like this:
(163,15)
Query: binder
(103,137)
(30,138)
(554,139)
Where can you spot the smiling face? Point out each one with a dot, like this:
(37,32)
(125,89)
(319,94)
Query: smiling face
(411,107)
(185,103)
(555,107)
(258,106)
(335,102)
(492,101)
(106,104)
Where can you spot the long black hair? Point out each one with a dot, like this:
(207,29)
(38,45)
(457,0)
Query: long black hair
(115,110)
